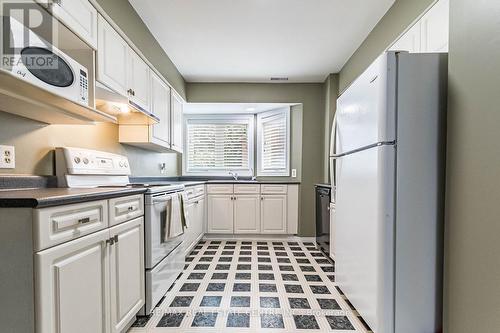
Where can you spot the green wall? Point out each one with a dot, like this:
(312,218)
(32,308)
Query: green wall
(307,128)
(472,251)
(389,28)
(124,15)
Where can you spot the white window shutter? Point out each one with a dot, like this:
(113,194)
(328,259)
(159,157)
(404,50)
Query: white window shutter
(273,143)
(217,146)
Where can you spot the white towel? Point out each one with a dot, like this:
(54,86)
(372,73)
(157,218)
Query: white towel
(175,224)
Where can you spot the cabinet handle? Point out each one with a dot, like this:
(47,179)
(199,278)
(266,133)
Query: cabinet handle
(84,220)
(115,238)
(261,198)
(129,91)
(110,241)
(133,93)
(130,208)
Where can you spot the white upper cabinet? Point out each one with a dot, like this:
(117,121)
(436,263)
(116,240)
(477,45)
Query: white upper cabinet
(176,123)
(430,34)
(160,107)
(80,16)
(410,41)
(435,28)
(112,58)
(138,79)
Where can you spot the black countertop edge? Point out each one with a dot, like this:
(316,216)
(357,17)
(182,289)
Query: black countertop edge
(323,185)
(48,197)
(191,181)
(9,181)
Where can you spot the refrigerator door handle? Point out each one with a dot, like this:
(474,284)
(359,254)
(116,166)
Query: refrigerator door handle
(378,144)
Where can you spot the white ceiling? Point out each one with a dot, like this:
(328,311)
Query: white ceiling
(231,108)
(253,40)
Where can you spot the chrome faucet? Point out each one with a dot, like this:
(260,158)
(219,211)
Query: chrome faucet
(253,175)
(234,174)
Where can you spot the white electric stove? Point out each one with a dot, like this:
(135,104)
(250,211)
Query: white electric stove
(164,261)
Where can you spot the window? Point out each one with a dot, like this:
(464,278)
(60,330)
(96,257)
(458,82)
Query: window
(216,145)
(273,143)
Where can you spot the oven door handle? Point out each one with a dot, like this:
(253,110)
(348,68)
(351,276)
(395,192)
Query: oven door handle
(162,198)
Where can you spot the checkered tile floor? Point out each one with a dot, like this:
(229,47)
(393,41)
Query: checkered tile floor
(254,286)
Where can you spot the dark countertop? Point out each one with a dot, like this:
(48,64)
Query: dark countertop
(46,197)
(323,185)
(192,181)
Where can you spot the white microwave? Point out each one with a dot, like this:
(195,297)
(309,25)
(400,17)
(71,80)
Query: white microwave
(35,60)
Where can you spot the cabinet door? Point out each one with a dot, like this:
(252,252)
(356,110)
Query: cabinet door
(220,214)
(80,16)
(112,55)
(200,216)
(435,28)
(160,107)
(332,230)
(410,41)
(189,233)
(273,214)
(247,214)
(138,79)
(72,286)
(126,272)
(176,123)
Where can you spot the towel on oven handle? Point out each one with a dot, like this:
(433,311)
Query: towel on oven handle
(175,225)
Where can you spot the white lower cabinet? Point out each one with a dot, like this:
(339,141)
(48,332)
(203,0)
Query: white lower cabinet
(273,211)
(126,272)
(220,213)
(91,284)
(246,214)
(252,209)
(72,286)
(199,217)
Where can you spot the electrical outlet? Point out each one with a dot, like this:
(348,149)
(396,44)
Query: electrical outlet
(7,157)
(294,173)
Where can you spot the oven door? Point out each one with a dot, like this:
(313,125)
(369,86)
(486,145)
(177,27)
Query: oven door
(157,215)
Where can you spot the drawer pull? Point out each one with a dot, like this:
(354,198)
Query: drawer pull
(131,208)
(84,220)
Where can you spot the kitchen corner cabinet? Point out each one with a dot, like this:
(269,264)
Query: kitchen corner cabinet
(79,16)
(176,116)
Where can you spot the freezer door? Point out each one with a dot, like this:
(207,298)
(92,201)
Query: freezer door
(364,233)
(366,110)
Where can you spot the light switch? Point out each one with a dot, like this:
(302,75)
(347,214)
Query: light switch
(294,173)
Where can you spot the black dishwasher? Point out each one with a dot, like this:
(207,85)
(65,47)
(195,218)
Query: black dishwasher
(323,217)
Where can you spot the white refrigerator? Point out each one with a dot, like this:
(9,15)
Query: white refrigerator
(387,164)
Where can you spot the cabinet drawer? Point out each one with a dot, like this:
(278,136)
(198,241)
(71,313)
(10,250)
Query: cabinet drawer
(220,188)
(273,189)
(56,225)
(125,208)
(195,191)
(246,189)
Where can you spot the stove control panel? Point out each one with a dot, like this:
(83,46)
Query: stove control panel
(79,161)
